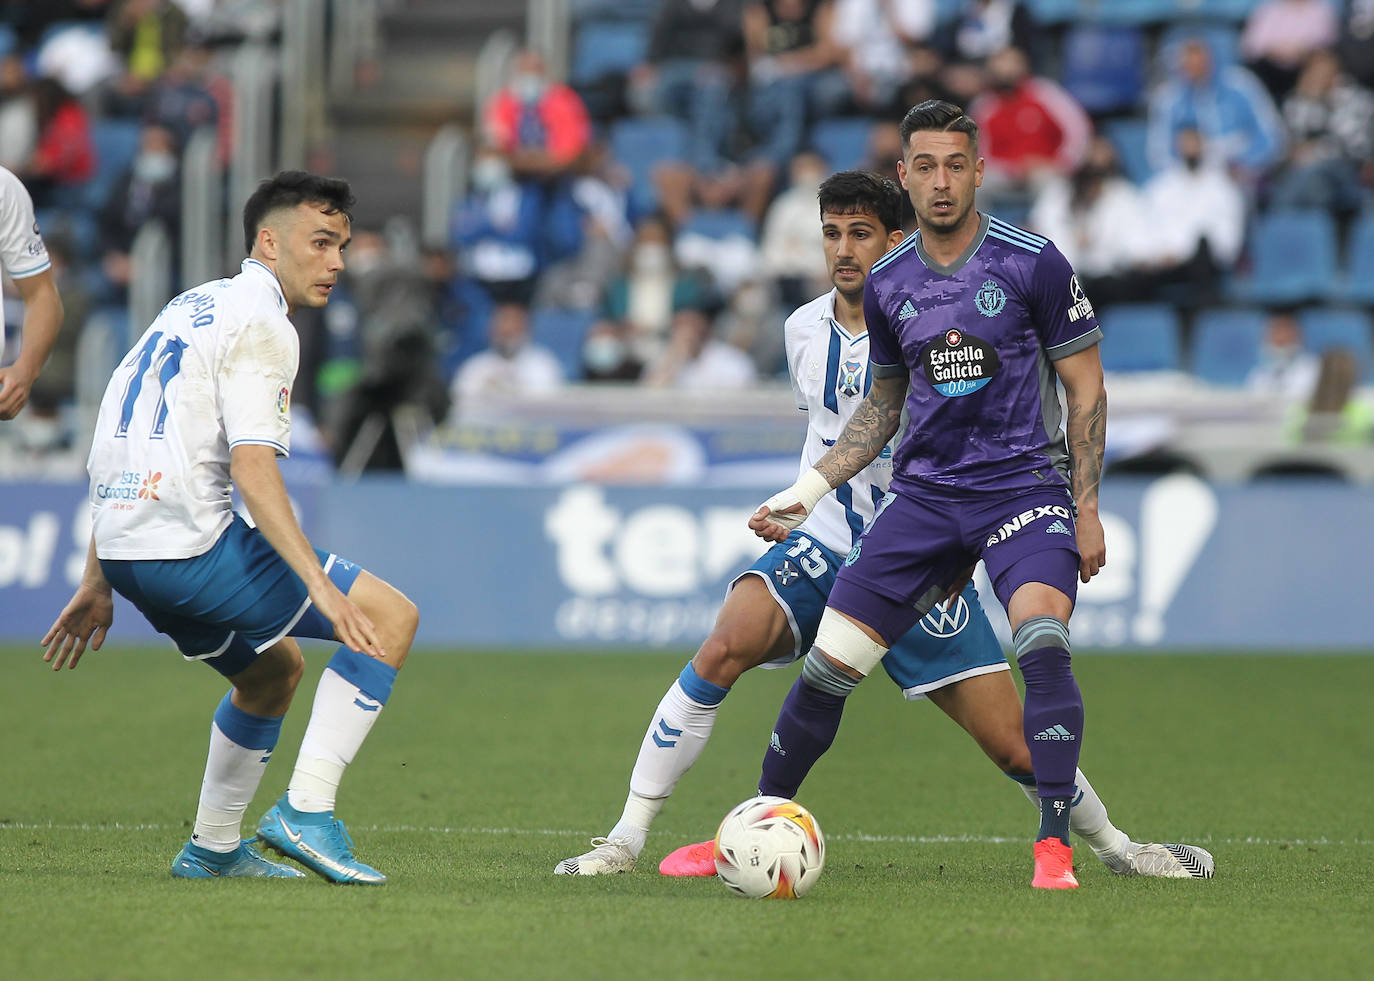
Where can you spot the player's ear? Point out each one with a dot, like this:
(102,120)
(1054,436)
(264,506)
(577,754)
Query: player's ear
(894,238)
(978,173)
(266,244)
(901,172)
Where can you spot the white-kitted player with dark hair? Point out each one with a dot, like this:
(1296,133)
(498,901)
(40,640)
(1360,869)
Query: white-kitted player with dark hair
(25,259)
(199,408)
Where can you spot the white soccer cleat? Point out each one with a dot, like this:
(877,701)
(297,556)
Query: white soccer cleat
(1171,861)
(608,855)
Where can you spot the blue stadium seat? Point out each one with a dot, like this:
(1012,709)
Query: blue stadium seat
(1134,11)
(1325,327)
(1233,10)
(1226,345)
(842,140)
(1140,337)
(116,144)
(723,223)
(1293,258)
(1104,66)
(602,48)
(639,144)
(9,41)
(1129,137)
(1359,267)
(562,332)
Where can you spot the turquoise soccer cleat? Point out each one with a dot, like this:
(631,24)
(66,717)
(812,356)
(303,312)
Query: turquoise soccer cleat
(194,862)
(318,841)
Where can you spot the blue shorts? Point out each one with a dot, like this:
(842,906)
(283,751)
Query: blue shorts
(230,604)
(942,648)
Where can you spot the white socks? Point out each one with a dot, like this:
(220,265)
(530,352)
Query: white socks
(240,746)
(677,734)
(340,720)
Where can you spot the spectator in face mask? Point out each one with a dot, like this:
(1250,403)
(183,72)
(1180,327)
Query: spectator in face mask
(512,364)
(606,354)
(652,289)
(1206,227)
(1286,368)
(148,191)
(539,125)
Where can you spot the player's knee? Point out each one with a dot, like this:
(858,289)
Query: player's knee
(846,646)
(722,658)
(1011,757)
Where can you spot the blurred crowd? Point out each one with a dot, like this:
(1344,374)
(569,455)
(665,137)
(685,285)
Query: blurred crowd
(666,191)
(649,216)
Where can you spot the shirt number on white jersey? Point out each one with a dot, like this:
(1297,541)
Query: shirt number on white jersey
(809,556)
(167,363)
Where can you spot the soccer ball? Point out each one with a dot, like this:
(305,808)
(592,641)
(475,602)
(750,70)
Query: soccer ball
(769,848)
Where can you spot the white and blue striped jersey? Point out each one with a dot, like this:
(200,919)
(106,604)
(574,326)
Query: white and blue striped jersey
(213,371)
(830,377)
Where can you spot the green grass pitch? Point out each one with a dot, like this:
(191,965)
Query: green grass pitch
(485,770)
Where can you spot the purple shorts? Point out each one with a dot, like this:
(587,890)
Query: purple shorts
(913,550)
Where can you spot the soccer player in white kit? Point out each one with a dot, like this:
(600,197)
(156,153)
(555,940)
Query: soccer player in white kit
(25,258)
(199,407)
(773,609)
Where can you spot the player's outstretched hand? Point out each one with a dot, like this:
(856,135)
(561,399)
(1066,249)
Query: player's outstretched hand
(86,618)
(1092,545)
(782,513)
(351,625)
(776,518)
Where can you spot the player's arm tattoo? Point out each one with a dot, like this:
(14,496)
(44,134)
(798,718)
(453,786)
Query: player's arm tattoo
(874,422)
(1087,439)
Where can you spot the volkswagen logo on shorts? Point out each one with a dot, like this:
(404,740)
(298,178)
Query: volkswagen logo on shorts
(946,623)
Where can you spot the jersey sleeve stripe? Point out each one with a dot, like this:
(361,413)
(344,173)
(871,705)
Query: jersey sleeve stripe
(1080,343)
(26,273)
(906,246)
(887,370)
(832,372)
(260,441)
(1007,228)
(994,233)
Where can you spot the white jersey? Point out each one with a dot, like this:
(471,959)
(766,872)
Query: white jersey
(22,251)
(830,377)
(212,372)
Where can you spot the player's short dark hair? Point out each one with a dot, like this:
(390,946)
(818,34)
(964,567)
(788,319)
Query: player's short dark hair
(857,191)
(941,116)
(290,188)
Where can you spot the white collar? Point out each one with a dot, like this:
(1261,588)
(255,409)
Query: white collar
(260,269)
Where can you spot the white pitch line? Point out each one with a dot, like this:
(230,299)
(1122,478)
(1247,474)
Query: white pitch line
(566,833)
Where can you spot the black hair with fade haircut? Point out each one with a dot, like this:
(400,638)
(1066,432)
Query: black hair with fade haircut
(290,188)
(941,116)
(858,192)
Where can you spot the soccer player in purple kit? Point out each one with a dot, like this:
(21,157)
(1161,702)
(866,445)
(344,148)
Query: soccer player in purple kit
(966,319)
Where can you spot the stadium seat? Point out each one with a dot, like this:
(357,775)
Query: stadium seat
(842,140)
(1134,11)
(720,224)
(1104,66)
(1049,12)
(9,41)
(639,144)
(1226,345)
(607,48)
(1325,327)
(116,144)
(1359,267)
(1129,137)
(562,332)
(1140,337)
(1293,258)
(636,10)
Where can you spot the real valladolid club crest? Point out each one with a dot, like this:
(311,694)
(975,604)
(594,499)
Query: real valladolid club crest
(990,299)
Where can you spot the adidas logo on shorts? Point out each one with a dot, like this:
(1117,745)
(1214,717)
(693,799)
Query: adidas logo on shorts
(1058,528)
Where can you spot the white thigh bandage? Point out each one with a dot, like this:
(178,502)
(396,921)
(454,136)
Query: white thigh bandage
(839,637)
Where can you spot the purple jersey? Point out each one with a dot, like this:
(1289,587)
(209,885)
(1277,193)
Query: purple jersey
(977,338)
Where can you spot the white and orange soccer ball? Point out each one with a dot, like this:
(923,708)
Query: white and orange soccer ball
(769,848)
